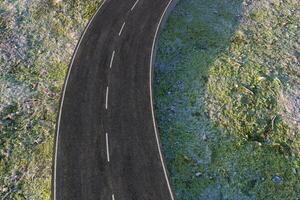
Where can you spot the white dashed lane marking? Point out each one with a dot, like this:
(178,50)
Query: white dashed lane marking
(106,98)
(121,30)
(107,148)
(112,59)
(134,5)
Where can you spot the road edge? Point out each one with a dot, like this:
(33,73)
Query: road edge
(160,26)
(56,137)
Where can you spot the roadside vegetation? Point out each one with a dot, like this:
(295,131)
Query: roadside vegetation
(37,39)
(227,88)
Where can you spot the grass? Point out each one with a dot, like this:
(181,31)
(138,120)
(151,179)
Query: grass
(226,87)
(40,37)
(220,73)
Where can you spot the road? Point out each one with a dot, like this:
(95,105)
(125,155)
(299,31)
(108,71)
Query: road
(107,144)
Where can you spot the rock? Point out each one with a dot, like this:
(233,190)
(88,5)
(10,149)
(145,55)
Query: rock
(186,158)
(10,117)
(57,1)
(198,174)
(276,179)
(261,78)
(258,143)
(5,189)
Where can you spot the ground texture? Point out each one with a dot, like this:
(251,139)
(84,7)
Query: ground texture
(227,99)
(227,88)
(37,39)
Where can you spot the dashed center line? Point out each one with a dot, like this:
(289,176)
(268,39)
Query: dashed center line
(106,98)
(134,5)
(112,59)
(121,29)
(107,148)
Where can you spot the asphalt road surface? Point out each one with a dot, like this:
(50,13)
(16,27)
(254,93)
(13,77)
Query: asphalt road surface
(107,144)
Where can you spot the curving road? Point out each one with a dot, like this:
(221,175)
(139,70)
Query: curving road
(107,144)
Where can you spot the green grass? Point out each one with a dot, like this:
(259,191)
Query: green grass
(225,79)
(45,33)
(221,69)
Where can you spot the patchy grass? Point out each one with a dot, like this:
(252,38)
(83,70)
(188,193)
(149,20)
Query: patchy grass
(226,93)
(36,43)
(222,70)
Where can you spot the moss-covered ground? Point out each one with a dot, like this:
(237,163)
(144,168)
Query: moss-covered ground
(37,39)
(226,95)
(226,84)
